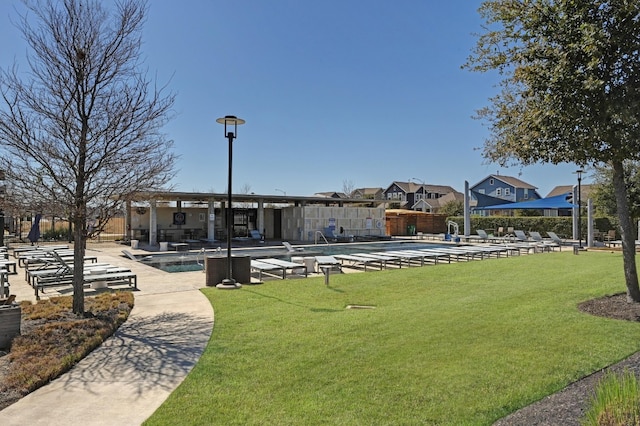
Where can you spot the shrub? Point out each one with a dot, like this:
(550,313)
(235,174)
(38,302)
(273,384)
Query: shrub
(616,401)
(561,225)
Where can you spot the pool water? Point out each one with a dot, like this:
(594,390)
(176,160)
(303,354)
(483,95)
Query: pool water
(194,261)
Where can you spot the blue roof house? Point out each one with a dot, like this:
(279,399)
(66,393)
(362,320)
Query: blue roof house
(506,188)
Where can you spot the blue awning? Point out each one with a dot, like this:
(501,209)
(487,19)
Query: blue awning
(484,200)
(557,202)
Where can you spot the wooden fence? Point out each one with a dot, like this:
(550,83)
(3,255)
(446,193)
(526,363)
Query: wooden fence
(58,229)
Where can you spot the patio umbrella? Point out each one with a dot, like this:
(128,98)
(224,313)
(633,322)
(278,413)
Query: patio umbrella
(34,233)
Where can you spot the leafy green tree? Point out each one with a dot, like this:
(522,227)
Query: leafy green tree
(83,130)
(452,208)
(603,193)
(570,90)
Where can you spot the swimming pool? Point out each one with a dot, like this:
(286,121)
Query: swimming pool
(194,261)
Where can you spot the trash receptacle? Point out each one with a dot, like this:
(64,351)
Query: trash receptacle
(10,320)
(309,263)
(411,230)
(216,269)
(164,246)
(134,244)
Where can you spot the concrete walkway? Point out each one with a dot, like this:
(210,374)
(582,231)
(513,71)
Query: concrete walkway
(131,374)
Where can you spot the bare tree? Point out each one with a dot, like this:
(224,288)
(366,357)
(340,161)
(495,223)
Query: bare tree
(84,130)
(348,187)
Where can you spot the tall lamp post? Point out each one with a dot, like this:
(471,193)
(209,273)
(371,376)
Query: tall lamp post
(230,120)
(579,173)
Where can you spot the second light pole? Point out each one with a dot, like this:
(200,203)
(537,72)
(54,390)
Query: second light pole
(230,120)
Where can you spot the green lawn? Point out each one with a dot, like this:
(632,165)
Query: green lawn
(457,344)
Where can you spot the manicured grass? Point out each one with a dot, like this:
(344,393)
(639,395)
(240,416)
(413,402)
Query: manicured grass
(452,344)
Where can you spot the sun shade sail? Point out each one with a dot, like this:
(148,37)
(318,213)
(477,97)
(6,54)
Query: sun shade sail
(557,202)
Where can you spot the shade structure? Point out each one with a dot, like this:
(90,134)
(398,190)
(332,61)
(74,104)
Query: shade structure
(484,200)
(550,203)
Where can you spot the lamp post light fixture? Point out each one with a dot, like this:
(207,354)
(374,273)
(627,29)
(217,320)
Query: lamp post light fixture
(280,190)
(231,124)
(579,173)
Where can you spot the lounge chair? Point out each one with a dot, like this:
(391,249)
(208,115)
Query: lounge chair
(290,248)
(484,236)
(134,258)
(8,301)
(64,276)
(521,236)
(285,265)
(4,283)
(328,262)
(549,245)
(330,234)
(610,236)
(554,237)
(264,267)
(256,235)
(361,259)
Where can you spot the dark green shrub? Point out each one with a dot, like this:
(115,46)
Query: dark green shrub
(561,225)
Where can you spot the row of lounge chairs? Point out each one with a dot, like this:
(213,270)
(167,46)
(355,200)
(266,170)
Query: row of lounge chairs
(421,257)
(519,236)
(55,269)
(4,273)
(280,268)
(397,258)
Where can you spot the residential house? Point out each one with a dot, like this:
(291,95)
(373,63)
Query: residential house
(585,193)
(506,188)
(421,197)
(368,193)
(331,194)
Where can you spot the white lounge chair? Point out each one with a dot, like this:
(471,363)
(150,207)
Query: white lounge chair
(328,262)
(285,265)
(554,237)
(134,258)
(549,245)
(291,248)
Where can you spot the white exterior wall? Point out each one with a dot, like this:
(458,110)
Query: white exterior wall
(352,219)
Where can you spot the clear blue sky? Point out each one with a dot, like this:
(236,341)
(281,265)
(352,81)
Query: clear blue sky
(331,91)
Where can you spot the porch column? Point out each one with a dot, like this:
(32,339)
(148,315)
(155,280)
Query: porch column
(153,223)
(128,229)
(211,219)
(260,217)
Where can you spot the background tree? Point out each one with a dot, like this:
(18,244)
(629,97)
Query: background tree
(604,195)
(570,90)
(348,187)
(452,208)
(85,128)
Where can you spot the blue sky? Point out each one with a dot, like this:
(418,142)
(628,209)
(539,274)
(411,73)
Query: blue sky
(331,91)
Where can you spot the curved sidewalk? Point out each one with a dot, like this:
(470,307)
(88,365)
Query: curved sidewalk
(131,374)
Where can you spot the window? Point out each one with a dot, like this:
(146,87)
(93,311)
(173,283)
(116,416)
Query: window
(498,192)
(526,194)
(491,181)
(507,191)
